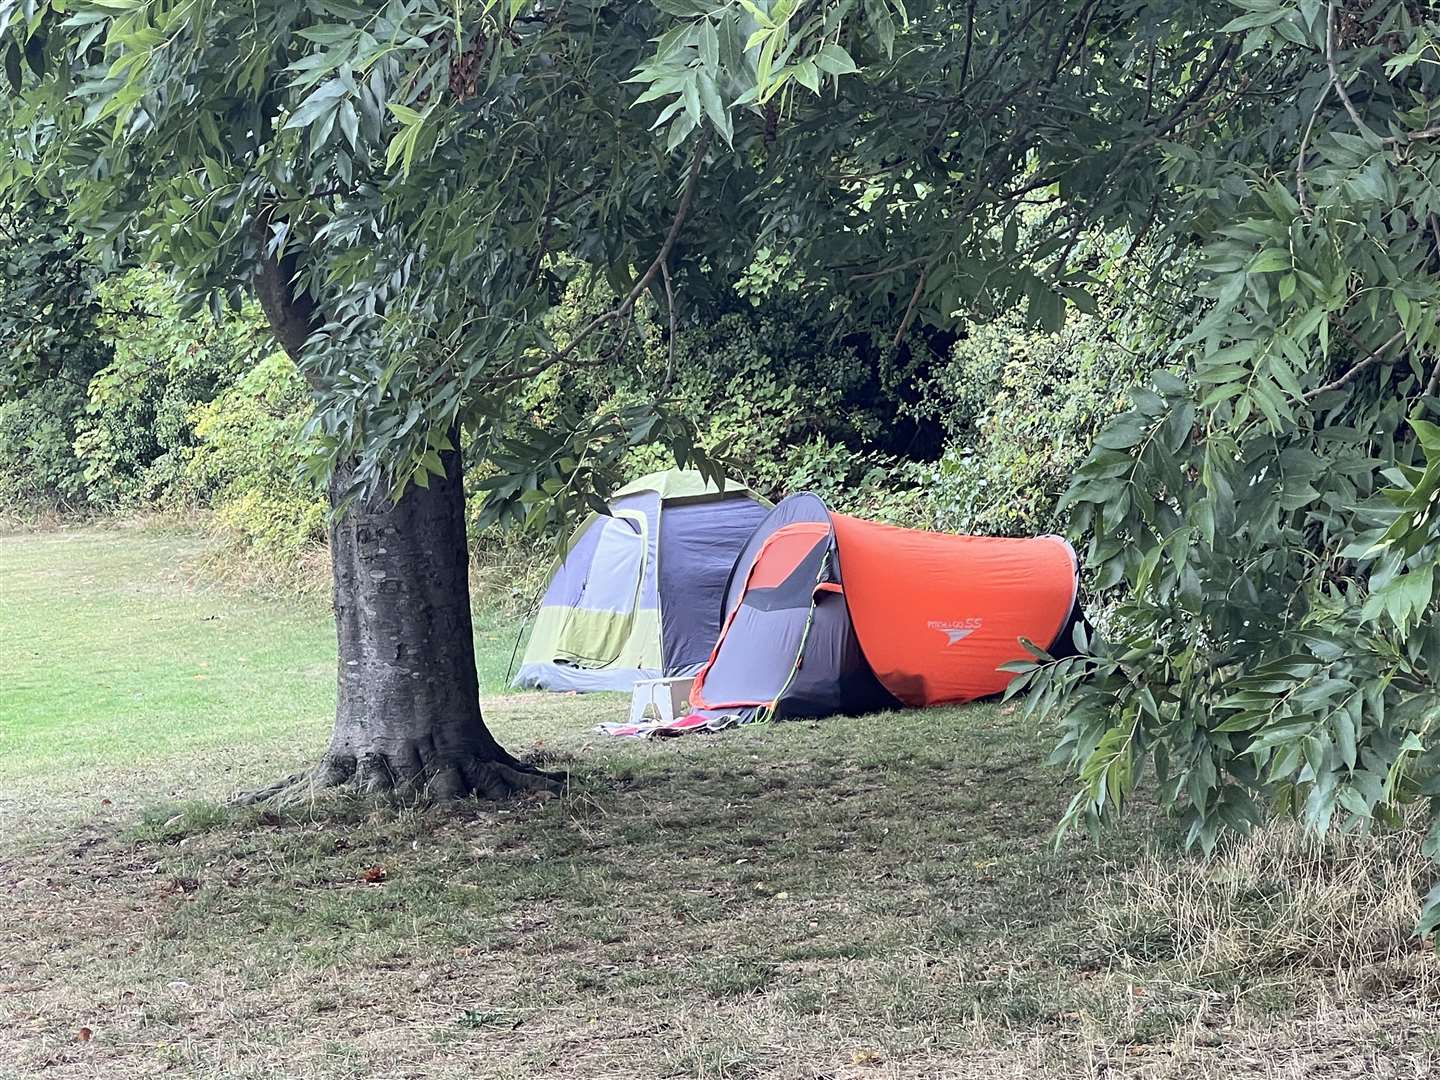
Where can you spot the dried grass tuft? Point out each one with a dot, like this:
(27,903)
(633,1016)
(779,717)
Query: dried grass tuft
(1336,912)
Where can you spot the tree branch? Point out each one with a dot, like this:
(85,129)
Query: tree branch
(1374,358)
(1432,387)
(1012,35)
(1194,96)
(542,240)
(660,260)
(546,365)
(1196,93)
(906,265)
(1412,136)
(1139,237)
(129,313)
(1076,31)
(1334,67)
(910,311)
(289,314)
(1305,146)
(969,45)
(669,303)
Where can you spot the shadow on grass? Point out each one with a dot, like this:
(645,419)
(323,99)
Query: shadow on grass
(752,863)
(760,903)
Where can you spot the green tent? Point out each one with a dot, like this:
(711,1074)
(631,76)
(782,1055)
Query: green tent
(639,592)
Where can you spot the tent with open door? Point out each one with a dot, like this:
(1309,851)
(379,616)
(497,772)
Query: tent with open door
(638,592)
(830,614)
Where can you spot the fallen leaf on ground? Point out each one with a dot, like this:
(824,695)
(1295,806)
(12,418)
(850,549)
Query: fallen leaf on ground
(84,1034)
(374,875)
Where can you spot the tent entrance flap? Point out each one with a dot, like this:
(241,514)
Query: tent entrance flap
(789,647)
(698,541)
(764,637)
(597,626)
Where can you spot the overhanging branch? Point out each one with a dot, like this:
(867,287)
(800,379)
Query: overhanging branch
(1374,358)
(661,259)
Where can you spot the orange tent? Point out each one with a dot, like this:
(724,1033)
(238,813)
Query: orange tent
(827,613)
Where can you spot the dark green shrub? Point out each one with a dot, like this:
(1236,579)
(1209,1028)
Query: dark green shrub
(790,406)
(247,460)
(1021,410)
(38,466)
(137,427)
(49,348)
(183,410)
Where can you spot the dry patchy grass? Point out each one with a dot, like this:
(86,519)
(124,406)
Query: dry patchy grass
(857,898)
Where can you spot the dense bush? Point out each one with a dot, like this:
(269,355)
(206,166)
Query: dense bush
(39,469)
(789,406)
(1021,410)
(176,411)
(247,460)
(978,434)
(50,347)
(138,430)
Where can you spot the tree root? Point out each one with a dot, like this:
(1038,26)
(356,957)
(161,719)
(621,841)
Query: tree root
(437,781)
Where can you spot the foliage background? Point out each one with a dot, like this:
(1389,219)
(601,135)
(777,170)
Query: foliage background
(183,412)
(976,433)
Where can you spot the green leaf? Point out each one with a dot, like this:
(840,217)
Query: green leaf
(833,60)
(878,13)
(808,76)
(1428,434)
(324,101)
(679,130)
(402,148)
(709,46)
(1270,260)
(1429,914)
(1254,20)
(759,16)
(683,8)
(12,67)
(690,94)
(405,114)
(715,108)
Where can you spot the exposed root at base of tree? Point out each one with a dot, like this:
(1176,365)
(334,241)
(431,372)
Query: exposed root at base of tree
(439,780)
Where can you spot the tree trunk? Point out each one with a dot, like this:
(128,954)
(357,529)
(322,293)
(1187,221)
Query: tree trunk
(407,717)
(408,713)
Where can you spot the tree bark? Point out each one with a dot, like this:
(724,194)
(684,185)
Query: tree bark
(407,717)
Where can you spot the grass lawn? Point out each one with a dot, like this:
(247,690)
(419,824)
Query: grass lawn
(873,897)
(118,658)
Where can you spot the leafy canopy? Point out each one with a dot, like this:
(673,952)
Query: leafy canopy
(1263,520)
(398,179)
